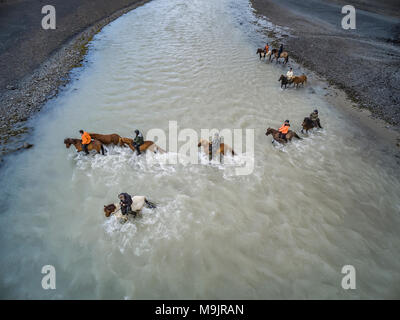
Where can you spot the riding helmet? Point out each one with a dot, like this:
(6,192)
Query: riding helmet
(137,131)
(316,111)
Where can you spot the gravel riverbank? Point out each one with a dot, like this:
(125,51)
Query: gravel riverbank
(35,63)
(365,62)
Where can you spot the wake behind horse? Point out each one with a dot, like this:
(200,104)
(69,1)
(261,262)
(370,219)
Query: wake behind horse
(77,143)
(276,135)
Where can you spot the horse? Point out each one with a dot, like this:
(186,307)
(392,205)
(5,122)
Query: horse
(138,203)
(223,148)
(107,139)
(77,143)
(299,80)
(147,145)
(284,55)
(261,52)
(276,135)
(284,81)
(308,124)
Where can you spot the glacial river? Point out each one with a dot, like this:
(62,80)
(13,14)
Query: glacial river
(285,230)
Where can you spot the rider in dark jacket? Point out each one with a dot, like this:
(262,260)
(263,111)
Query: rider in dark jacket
(315,119)
(280,50)
(125,202)
(138,141)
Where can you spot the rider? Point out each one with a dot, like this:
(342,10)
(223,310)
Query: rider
(86,139)
(216,142)
(284,129)
(125,203)
(289,74)
(267,48)
(138,141)
(315,119)
(280,50)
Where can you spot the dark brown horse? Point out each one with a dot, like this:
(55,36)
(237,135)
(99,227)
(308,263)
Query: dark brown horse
(107,139)
(284,81)
(284,55)
(299,80)
(308,124)
(77,143)
(276,135)
(147,145)
(262,53)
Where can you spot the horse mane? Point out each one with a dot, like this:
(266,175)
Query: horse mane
(71,140)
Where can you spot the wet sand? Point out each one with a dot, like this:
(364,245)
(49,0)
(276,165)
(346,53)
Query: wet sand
(35,63)
(364,63)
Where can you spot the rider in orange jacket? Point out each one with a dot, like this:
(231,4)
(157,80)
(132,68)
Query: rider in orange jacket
(284,129)
(86,139)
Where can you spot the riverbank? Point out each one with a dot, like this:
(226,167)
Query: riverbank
(364,63)
(35,63)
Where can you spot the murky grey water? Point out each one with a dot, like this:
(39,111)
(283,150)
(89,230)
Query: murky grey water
(285,231)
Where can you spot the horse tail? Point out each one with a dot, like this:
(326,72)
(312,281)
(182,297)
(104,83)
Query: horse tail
(102,149)
(287,59)
(149,204)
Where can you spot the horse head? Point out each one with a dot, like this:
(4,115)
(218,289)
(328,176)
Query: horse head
(282,78)
(67,142)
(109,209)
(269,131)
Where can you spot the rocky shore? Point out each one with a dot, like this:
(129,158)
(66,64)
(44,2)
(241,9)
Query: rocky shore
(364,62)
(35,63)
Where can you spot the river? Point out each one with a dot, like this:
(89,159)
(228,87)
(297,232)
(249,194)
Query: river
(283,231)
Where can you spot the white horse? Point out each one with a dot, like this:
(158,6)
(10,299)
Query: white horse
(138,203)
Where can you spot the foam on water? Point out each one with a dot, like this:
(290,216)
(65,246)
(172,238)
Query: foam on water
(284,231)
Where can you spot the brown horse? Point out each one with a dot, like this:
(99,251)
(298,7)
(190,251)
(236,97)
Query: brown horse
(308,124)
(284,55)
(284,81)
(299,80)
(223,148)
(107,139)
(261,52)
(77,143)
(147,145)
(276,135)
